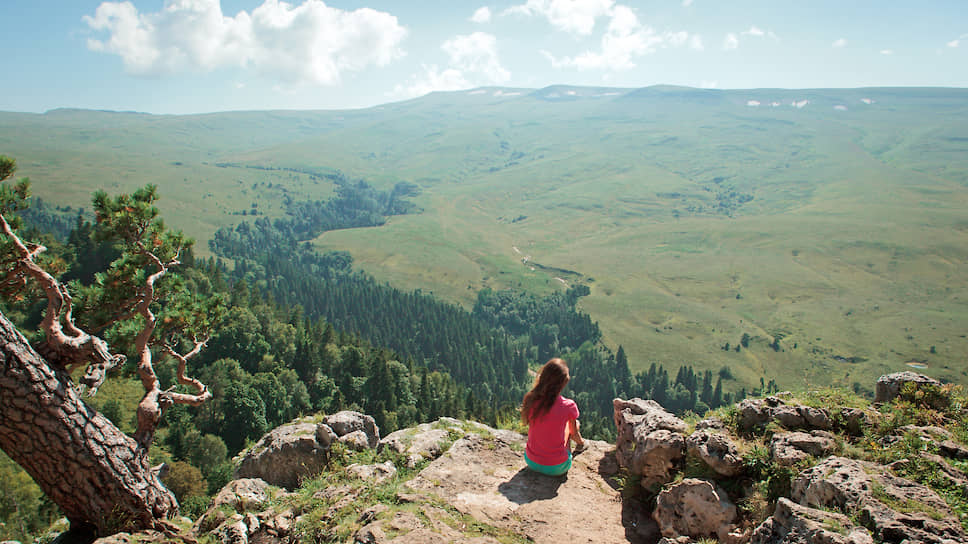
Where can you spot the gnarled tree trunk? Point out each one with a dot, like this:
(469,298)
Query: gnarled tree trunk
(96,474)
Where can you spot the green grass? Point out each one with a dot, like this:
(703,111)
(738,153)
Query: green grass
(853,245)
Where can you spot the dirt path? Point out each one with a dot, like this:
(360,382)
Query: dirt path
(487,479)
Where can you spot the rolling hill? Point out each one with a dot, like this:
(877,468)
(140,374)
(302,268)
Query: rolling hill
(827,224)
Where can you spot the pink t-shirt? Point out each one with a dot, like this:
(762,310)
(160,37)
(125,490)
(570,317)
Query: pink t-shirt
(548,434)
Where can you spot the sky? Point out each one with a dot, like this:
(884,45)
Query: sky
(195,56)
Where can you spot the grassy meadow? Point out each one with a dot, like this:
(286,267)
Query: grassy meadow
(694,216)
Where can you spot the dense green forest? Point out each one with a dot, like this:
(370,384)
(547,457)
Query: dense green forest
(304,332)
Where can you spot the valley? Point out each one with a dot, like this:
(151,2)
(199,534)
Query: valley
(833,233)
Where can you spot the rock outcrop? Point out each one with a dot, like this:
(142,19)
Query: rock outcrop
(650,442)
(888,386)
(757,413)
(292,452)
(894,508)
(791,448)
(696,509)
(796,524)
(717,451)
(423,442)
(468,482)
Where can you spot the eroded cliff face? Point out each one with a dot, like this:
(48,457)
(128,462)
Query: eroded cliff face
(824,467)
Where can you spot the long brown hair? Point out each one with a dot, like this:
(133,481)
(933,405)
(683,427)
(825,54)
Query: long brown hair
(552,378)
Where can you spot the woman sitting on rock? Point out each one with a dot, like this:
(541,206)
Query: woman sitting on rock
(552,421)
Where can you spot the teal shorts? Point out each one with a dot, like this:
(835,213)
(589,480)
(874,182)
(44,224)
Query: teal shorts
(552,470)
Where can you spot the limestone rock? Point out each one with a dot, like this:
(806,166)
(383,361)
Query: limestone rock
(795,524)
(757,413)
(788,449)
(425,441)
(695,508)
(233,531)
(246,494)
(650,443)
(370,534)
(285,456)
(346,422)
(711,423)
(889,385)
(850,485)
(636,411)
(373,473)
(717,451)
(356,440)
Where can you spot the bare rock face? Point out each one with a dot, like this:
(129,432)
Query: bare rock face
(894,508)
(889,385)
(346,422)
(757,413)
(717,451)
(789,449)
(356,440)
(290,453)
(795,524)
(285,455)
(423,442)
(230,518)
(696,509)
(245,494)
(650,443)
(373,473)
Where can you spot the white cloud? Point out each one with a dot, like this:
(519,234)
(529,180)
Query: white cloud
(476,53)
(695,42)
(957,41)
(708,84)
(753,31)
(840,107)
(839,43)
(624,40)
(575,16)
(887,51)
(753,103)
(310,42)
(473,61)
(433,79)
(686,3)
(482,15)
(730,42)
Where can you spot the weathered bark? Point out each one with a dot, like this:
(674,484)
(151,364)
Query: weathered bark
(96,474)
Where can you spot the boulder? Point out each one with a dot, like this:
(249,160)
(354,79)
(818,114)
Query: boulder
(233,531)
(792,523)
(285,456)
(246,494)
(711,423)
(889,385)
(757,413)
(373,473)
(423,442)
(788,449)
(347,421)
(650,443)
(237,497)
(696,509)
(893,508)
(716,450)
(356,440)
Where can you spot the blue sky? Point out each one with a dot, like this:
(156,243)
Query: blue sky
(190,56)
